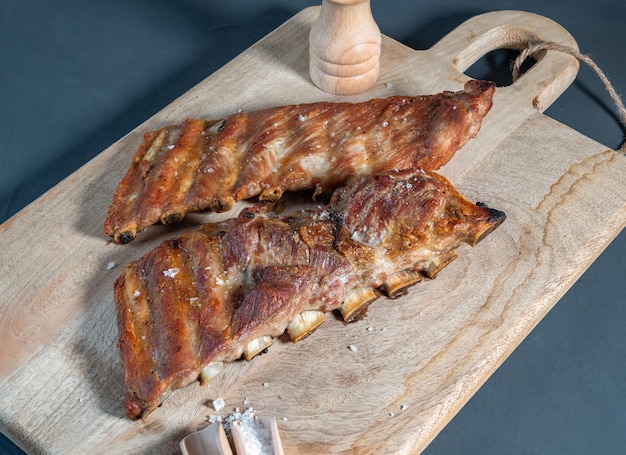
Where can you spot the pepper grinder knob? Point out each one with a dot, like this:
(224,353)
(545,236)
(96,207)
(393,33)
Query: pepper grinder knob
(344,47)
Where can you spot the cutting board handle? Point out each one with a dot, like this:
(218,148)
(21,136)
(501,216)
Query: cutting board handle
(544,82)
(533,92)
(344,47)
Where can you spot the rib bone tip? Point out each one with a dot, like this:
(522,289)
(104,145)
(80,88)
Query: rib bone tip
(210,371)
(304,324)
(397,283)
(356,302)
(257,346)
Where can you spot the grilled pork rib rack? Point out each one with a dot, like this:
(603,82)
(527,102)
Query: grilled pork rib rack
(211,164)
(228,288)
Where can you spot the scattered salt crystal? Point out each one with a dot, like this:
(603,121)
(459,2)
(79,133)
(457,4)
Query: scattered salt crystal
(219,282)
(110,265)
(389,85)
(171,273)
(385,124)
(403,407)
(391,414)
(265,384)
(352,347)
(218,404)
(170,147)
(370,329)
(136,294)
(215,418)
(301,117)
(284,419)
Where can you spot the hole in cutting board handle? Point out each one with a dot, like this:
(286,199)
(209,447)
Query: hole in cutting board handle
(497,66)
(491,55)
(542,82)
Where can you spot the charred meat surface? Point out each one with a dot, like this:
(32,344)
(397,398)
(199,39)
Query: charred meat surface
(229,288)
(211,164)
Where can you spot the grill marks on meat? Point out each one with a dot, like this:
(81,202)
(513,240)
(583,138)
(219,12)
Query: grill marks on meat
(229,288)
(211,164)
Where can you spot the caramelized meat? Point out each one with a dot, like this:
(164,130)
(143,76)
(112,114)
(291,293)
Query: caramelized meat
(229,288)
(211,164)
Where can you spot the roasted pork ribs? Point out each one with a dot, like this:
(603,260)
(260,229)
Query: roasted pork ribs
(211,164)
(228,288)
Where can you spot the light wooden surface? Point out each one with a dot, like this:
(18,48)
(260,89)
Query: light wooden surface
(419,358)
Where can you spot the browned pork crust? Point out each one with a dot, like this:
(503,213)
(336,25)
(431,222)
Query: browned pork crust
(211,164)
(202,298)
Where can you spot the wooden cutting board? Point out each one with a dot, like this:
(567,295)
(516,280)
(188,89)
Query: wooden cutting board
(418,358)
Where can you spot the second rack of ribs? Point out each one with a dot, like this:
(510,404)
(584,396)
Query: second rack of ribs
(211,164)
(229,288)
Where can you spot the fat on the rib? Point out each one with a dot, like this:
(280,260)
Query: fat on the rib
(211,164)
(229,288)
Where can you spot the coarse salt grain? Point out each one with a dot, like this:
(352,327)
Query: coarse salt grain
(403,407)
(136,294)
(218,404)
(352,348)
(110,265)
(215,418)
(171,273)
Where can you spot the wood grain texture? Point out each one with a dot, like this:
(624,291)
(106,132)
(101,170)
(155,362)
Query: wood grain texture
(419,358)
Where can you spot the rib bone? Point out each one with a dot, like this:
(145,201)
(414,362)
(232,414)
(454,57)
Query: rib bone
(438,263)
(210,371)
(257,346)
(304,324)
(356,302)
(397,283)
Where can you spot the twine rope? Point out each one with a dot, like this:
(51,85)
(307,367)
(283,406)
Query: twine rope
(549,46)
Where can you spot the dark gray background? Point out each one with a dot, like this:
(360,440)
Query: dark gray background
(75,76)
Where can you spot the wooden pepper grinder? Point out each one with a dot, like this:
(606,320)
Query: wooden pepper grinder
(344,47)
